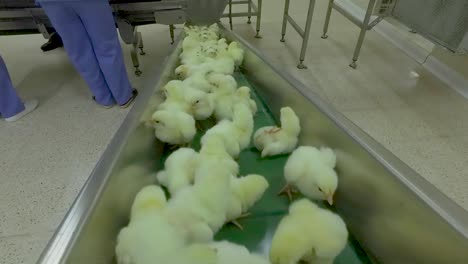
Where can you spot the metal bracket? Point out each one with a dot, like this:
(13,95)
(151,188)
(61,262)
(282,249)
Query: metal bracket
(252,10)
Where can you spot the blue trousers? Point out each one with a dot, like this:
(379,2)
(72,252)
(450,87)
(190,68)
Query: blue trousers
(10,103)
(91,41)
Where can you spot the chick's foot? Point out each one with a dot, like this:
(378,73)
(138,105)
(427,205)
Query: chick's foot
(288,190)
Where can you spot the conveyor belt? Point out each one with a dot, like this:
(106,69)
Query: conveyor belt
(266,213)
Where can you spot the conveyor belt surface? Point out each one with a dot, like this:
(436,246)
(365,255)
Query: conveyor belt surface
(265,215)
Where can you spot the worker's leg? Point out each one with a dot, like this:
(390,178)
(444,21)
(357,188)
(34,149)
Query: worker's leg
(79,48)
(10,103)
(100,25)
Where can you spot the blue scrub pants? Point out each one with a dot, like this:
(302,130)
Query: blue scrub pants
(90,39)
(10,103)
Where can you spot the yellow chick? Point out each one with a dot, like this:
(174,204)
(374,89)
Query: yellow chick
(174,127)
(201,104)
(214,151)
(273,140)
(236,52)
(236,134)
(148,236)
(308,233)
(199,211)
(245,192)
(231,253)
(193,254)
(225,102)
(179,170)
(173,89)
(311,170)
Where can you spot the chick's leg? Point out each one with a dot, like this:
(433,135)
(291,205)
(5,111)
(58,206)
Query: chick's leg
(288,190)
(236,221)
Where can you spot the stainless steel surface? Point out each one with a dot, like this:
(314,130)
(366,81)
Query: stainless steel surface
(444,22)
(396,215)
(205,11)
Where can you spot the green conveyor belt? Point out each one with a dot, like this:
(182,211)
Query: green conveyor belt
(266,213)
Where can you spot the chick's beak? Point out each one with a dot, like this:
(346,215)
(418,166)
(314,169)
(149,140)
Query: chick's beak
(330,199)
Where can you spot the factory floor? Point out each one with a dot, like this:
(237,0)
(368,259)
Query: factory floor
(47,156)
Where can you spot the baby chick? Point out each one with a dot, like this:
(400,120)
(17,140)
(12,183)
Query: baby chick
(148,236)
(212,152)
(236,134)
(308,233)
(272,140)
(199,211)
(311,170)
(179,170)
(224,106)
(174,127)
(193,254)
(236,52)
(173,89)
(245,192)
(230,253)
(201,104)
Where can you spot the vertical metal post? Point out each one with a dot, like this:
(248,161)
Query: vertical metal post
(305,39)
(285,19)
(140,44)
(249,8)
(230,14)
(364,27)
(171,31)
(259,18)
(327,19)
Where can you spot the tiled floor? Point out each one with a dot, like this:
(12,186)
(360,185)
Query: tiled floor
(47,156)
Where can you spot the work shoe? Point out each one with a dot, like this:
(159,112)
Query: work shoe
(29,106)
(55,41)
(132,98)
(103,106)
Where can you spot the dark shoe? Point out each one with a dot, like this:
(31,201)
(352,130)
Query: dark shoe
(132,98)
(104,106)
(55,41)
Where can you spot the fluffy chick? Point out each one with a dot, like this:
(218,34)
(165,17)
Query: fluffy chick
(245,192)
(179,170)
(230,253)
(212,152)
(199,211)
(200,104)
(311,171)
(236,134)
(273,140)
(148,236)
(174,127)
(225,102)
(236,52)
(308,233)
(194,254)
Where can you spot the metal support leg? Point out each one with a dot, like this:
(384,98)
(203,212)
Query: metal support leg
(305,40)
(364,28)
(249,8)
(259,18)
(230,14)
(140,44)
(171,31)
(327,19)
(285,19)
(136,61)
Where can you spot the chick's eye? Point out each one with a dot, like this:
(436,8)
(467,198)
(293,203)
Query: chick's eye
(320,189)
